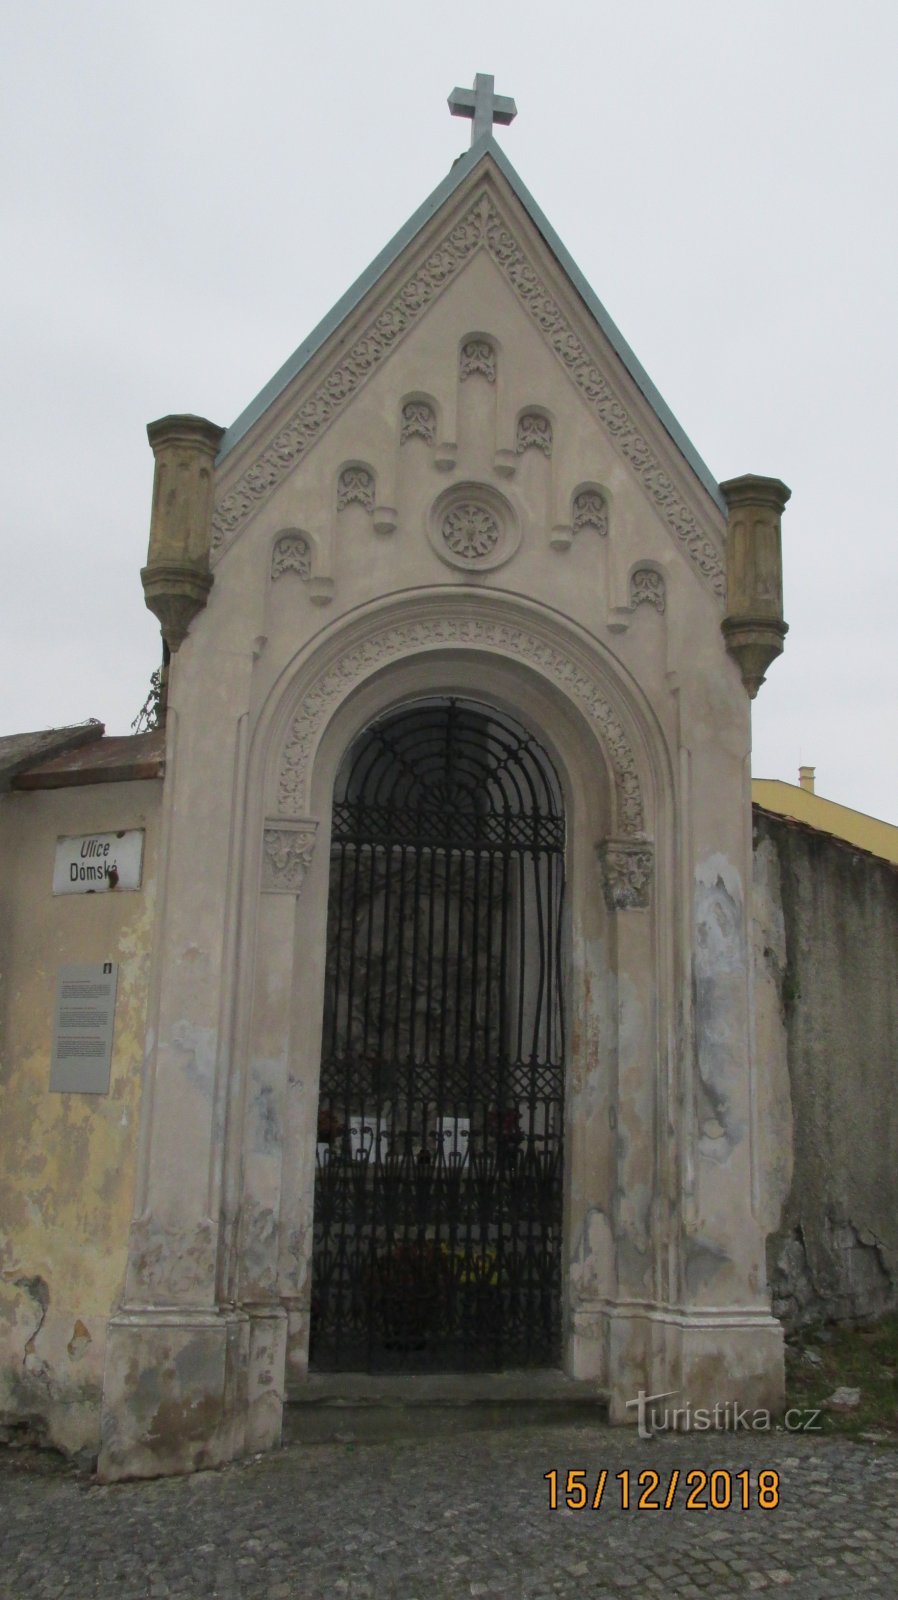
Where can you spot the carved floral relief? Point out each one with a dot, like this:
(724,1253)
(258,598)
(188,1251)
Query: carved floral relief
(291,553)
(478,358)
(470,530)
(287,854)
(647,589)
(355,486)
(534,432)
(418,422)
(590,510)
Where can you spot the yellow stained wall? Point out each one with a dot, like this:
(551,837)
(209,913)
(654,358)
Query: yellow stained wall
(67,1161)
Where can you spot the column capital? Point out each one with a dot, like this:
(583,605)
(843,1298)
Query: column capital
(288,846)
(627,868)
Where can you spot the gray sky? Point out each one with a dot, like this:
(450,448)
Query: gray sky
(188,187)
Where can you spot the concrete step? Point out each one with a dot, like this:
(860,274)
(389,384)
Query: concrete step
(356,1407)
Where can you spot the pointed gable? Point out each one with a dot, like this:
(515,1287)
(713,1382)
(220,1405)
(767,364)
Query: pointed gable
(482,206)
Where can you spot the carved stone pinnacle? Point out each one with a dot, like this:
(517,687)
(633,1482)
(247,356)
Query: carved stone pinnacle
(753,628)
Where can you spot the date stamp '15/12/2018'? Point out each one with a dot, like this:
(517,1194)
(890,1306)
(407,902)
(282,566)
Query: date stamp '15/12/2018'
(695,1490)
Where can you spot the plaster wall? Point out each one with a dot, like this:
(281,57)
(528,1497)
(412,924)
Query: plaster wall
(826,956)
(67,1161)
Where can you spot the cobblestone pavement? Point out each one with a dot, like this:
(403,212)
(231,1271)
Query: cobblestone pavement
(467,1515)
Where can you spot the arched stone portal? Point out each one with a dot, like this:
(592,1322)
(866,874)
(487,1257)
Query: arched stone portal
(607,768)
(648,1299)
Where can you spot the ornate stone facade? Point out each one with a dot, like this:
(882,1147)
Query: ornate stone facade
(484,226)
(403,445)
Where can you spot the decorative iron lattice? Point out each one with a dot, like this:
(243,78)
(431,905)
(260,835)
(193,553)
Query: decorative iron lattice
(439,1168)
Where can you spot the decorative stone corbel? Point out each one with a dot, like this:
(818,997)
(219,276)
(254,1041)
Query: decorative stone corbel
(288,848)
(627,866)
(176,579)
(753,628)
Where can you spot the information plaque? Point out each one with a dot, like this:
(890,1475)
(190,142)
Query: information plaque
(82,1029)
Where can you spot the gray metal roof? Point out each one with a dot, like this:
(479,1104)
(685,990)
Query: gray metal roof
(465,164)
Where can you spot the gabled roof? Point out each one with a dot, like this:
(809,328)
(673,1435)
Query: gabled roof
(485,147)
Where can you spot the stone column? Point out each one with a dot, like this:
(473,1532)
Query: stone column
(753,628)
(287,854)
(627,868)
(175,1381)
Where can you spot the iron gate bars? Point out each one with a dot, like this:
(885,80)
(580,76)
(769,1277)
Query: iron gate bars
(438,1192)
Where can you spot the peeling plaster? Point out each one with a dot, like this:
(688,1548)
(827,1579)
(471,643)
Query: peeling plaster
(79,1341)
(705,1260)
(197,1048)
(265,1134)
(719,978)
(592,1257)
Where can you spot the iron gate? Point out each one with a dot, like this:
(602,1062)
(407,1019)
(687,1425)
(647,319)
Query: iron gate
(438,1191)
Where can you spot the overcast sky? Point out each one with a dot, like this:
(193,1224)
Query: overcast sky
(188,188)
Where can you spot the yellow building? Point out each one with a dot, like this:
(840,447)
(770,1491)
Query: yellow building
(801,803)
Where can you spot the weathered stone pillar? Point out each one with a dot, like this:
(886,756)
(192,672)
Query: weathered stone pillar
(627,870)
(288,849)
(176,579)
(753,627)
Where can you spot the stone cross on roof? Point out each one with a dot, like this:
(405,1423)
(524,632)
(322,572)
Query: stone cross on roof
(482,105)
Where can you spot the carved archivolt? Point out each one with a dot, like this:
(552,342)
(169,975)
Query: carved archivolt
(291,553)
(418,422)
(287,850)
(478,358)
(483,227)
(626,873)
(647,588)
(534,432)
(590,510)
(507,639)
(355,486)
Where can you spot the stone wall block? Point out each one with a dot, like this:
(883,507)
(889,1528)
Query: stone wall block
(187,1409)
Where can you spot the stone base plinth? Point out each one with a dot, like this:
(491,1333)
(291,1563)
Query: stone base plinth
(175,1392)
(265,1377)
(718,1361)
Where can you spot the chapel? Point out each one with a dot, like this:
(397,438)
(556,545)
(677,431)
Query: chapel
(423,1016)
